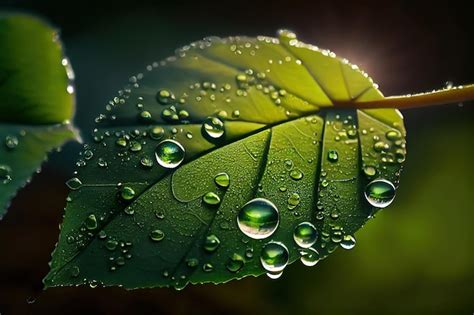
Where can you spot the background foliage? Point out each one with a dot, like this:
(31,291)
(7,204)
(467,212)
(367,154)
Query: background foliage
(415,257)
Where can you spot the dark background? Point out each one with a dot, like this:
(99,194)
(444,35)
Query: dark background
(416,257)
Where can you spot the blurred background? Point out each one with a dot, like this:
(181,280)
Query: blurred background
(416,257)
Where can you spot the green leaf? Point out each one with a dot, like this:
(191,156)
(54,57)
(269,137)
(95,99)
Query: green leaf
(256,118)
(37,100)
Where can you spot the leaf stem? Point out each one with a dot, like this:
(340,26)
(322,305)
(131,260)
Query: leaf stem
(440,97)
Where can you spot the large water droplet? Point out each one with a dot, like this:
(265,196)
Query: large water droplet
(380,193)
(258,218)
(305,234)
(274,257)
(169,153)
(213,127)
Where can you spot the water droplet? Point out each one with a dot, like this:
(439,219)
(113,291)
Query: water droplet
(305,234)
(135,146)
(5,174)
(222,180)
(381,146)
(235,263)
(293,201)
(207,267)
(380,193)
(296,174)
(192,262)
(146,162)
(157,235)
(213,128)
(370,171)
(274,257)
(11,142)
(165,97)
(74,183)
(258,218)
(121,142)
(169,153)
(333,156)
(211,243)
(75,271)
(91,222)
(309,257)
(211,199)
(274,275)
(127,193)
(348,242)
(393,135)
(111,245)
(156,133)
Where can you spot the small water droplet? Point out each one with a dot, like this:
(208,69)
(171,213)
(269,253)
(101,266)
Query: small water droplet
(169,153)
(5,174)
(91,222)
(222,180)
(309,257)
(211,199)
(380,193)
(333,156)
(235,263)
(211,243)
(305,234)
(258,218)
(74,183)
(370,171)
(127,193)
(296,174)
(146,162)
(165,97)
(157,235)
(11,142)
(213,128)
(274,257)
(156,133)
(348,242)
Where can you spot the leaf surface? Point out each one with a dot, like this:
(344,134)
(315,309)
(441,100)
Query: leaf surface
(263,111)
(37,99)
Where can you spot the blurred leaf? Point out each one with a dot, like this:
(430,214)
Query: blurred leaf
(37,99)
(192,140)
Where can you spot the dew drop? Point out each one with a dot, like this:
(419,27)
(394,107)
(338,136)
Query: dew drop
(146,162)
(211,199)
(91,222)
(274,257)
(213,128)
(157,235)
(74,183)
(127,193)
(222,180)
(165,97)
(156,133)
(211,243)
(370,171)
(296,174)
(348,242)
(235,263)
(333,156)
(169,153)
(258,218)
(309,257)
(305,234)
(5,174)
(11,142)
(380,193)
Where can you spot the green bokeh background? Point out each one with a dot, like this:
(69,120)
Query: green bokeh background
(415,257)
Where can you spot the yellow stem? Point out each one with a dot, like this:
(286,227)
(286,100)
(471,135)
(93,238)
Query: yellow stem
(445,96)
